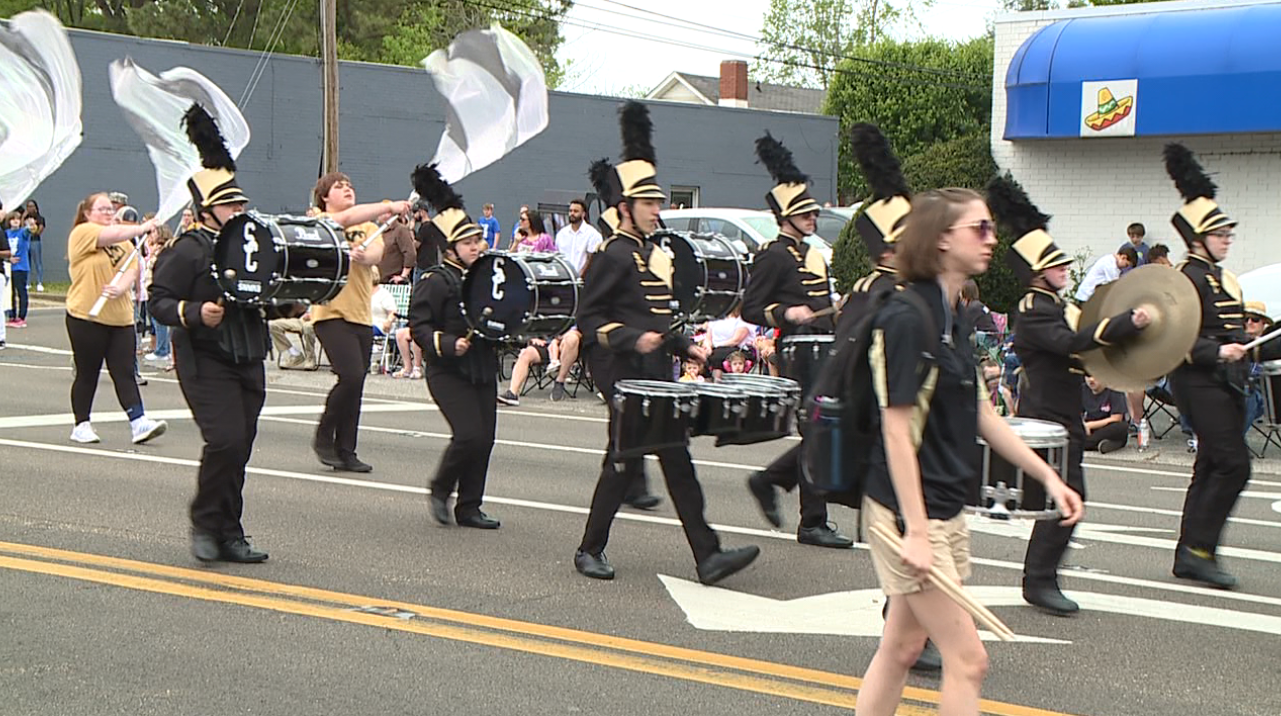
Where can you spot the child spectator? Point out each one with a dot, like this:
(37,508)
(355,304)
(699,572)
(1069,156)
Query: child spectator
(1001,395)
(1159,254)
(489,225)
(1105,416)
(692,373)
(737,363)
(19,243)
(1134,234)
(35,224)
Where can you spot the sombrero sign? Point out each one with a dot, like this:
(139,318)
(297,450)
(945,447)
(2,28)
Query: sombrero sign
(1108,108)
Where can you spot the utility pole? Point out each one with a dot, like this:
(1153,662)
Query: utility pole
(329,80)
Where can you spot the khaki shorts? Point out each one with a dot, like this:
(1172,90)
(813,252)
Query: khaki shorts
(949,538)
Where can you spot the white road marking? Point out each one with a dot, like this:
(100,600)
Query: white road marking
(1181,588)
(1245,493)
(40,349)
(1173,513)
(858,612)
(68,419)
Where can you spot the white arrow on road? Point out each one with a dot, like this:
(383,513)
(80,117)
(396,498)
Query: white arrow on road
(858,612)
(1022,530)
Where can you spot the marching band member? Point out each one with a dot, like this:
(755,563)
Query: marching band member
(344,325)
(1047,340)
(881,222)
(788,287)
(218,351)
(932,411)
(625,317)
(462,370)
(1210,387)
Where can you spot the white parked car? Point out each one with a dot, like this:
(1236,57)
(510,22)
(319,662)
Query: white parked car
(747,229)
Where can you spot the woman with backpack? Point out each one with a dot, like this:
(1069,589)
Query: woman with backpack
(933,409)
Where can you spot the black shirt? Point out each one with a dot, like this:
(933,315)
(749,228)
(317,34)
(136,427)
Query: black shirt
(787,273)
(436,322)
(903,365)
(1101,405)
(863,294)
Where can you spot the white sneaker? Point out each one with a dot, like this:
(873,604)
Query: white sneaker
(153,357)
(83,433)
(553,366)
(145,428)
(40,288)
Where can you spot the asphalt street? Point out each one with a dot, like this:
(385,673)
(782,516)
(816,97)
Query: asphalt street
(367,607)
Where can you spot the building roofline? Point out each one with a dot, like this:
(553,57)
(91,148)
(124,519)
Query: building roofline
(1146,8)
(676,78)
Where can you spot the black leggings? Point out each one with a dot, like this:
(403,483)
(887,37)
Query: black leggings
(91,344)
(348,346)
(20,294)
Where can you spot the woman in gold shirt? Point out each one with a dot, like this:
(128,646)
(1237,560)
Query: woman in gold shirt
(345,324)
(96,250)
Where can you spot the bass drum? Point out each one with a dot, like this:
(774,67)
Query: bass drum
(521,295)
(263,259)
(708,274)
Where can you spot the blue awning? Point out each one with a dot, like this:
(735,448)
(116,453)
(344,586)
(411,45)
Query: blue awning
(1213,71)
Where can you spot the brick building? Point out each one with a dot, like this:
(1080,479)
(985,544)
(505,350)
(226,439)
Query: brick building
(1085,99)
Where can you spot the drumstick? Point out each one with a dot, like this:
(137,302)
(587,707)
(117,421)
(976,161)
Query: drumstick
(1262,339)
(952,589)
(489,311)
(102,300)
(386,224)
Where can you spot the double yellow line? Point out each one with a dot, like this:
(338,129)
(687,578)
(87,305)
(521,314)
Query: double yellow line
(734,672)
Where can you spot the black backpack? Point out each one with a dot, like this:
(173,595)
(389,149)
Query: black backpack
(842,413)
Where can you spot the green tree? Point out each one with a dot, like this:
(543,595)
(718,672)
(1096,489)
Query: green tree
(919,93)
(386,31)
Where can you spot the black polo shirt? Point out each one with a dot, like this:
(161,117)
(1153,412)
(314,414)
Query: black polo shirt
(945,431)
(1102,405)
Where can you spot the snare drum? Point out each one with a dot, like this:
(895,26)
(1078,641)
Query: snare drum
(770,410)
(522,295)
(720,409)
(803,358)
(1004,490)
(1270,384)
(708,275)
(651,415)
(262,259)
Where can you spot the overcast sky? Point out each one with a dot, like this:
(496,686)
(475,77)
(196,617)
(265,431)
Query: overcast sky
(604,61)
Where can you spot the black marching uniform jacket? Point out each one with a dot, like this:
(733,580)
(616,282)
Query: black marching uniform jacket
(863,294)
(1222,322)
(784,275)
(436,322)
(623,298)
(1048,343)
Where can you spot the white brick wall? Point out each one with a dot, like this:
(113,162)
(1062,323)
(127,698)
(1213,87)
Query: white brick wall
(1095,187)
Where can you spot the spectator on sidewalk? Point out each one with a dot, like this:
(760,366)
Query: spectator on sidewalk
(1159,254)
(289,356)
(157,242)
(35,224)
(1135,233)
(399,254)
(1105,416)
(520,221)
(489,225)
(1257,322)
(19,237)
(1106,270)
(578,239)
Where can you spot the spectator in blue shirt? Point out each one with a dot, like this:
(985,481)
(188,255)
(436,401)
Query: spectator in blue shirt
(1136,232)
(489,225)
(19,238)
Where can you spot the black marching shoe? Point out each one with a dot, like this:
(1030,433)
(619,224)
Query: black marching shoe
(439,508)
(326,452)
(726,562)
(593,565)
(823,536)
(1201,566)
(204,546)
(643,501)
(766,497)
(240,550)
(479,520)
(1048,598)
(930,658)
(353,464)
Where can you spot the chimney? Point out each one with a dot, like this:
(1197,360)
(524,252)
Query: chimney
(733,83)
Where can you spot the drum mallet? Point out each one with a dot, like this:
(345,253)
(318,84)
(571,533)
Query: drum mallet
(102,300)
(1262,339)
(484,316)
(951,588)
(387,224)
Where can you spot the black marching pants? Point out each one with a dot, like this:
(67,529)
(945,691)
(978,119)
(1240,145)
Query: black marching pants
(348,346)
(1222,467)
(785,472)
(225,400)
(613,484)
(1049,541)
(472,413)
(91,344)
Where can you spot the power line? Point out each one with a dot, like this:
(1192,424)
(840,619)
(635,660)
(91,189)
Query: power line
(635,34)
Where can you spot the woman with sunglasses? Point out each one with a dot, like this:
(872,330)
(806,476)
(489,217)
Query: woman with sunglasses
(96,250)
(1048,345)
(344,325)
(932,411)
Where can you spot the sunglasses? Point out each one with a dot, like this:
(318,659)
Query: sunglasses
(1253,319)
(985,227)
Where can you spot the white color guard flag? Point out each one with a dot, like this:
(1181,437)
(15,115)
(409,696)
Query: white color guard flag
(40,85)
(154,107)
(497,99)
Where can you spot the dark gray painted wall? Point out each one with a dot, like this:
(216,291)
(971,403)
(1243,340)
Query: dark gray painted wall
(392,118)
